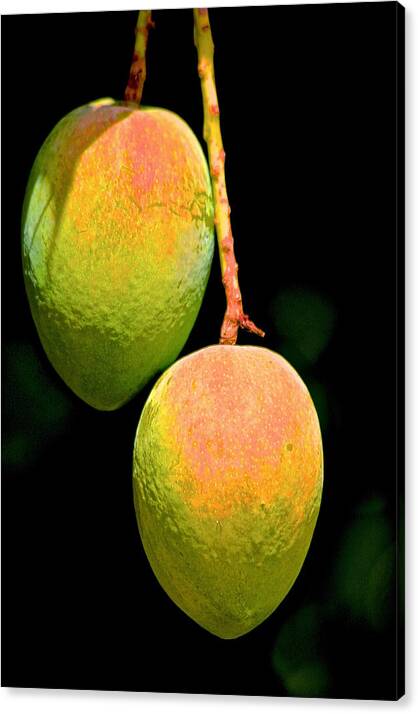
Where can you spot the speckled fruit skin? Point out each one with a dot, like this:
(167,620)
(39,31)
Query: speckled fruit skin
(227,479)
(117,243)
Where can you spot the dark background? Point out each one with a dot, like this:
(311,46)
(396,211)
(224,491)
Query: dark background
(308,110)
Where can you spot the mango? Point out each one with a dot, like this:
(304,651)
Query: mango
(117,244)
(227,481)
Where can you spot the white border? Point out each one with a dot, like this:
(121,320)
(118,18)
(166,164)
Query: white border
(18,701)
(15,7)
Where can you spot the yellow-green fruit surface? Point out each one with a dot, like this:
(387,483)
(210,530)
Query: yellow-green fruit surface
(117,242)
(227,479)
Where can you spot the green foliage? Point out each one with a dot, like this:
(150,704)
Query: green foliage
(34,409)
(360,591)
(304,320)
(297,655)
(365,570)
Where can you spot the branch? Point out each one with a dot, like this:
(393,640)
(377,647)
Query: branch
(234,316)
(133,91)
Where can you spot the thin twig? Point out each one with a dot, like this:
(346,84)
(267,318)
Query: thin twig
(133,91)
(234,315)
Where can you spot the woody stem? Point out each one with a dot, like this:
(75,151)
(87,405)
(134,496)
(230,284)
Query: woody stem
(234,316)
(133,91)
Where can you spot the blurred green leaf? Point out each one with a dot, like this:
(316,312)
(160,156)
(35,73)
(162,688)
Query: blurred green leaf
(34,408)
(16,449)
(365,570)
(308,680)
(297,657)
(380,596)
(304,319)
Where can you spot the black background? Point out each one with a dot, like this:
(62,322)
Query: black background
(308,111)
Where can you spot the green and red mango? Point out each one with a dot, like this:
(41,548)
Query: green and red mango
(228,472)
(117,242)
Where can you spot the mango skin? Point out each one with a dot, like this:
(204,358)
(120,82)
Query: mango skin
(227,480)
(117,244)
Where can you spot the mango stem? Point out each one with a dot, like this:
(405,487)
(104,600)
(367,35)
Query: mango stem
(133,91)
(234,316)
